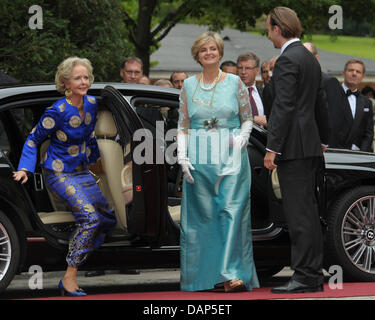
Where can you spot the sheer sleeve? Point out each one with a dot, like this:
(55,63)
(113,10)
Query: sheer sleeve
(245,113)
(183,115)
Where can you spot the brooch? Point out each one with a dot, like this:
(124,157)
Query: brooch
(211,124)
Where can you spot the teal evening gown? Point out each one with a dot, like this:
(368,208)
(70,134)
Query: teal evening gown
(216,241)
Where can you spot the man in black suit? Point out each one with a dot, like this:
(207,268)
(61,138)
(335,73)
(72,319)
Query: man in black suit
(350,112)
(297,130)
(313,49)
(247,69)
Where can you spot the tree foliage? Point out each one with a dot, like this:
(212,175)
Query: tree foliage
(92,29)
(107,31)
(149,21)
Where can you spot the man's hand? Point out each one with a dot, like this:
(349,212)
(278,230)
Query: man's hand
(269,160)
(260,120)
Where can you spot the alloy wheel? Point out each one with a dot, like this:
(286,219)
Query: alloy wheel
(5,251)
(358,234)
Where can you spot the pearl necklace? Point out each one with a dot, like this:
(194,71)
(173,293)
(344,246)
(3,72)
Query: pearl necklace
(212,85)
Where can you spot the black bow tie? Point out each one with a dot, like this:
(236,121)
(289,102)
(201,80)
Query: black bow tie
(349,92)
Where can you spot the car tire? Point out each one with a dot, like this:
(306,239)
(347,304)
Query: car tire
(9,251)
(350,238)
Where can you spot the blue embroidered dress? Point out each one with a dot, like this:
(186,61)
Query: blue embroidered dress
(72,147)
(72,139)
(216,242)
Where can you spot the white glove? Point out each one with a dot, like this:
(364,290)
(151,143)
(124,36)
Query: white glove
(182,159)
(242,139)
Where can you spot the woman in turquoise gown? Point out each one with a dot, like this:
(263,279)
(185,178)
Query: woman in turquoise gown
(215,122)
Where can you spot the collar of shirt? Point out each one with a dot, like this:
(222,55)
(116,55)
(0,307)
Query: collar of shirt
(346,88)
(287,44)
(253,86)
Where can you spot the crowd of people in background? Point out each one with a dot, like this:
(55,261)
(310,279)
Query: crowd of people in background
(359,134)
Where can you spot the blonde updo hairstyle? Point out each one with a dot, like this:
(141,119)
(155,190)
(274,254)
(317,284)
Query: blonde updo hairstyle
(203,39)
(64,71)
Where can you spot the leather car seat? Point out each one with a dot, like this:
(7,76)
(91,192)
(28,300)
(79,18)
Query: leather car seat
(61,213)
(113,163)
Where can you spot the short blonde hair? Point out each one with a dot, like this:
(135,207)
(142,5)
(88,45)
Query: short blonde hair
(64,71)
(203,39)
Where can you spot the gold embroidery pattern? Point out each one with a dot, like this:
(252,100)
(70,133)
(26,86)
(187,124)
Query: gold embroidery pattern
(70,190)
(33,130)
(92,135)
(88,118)
(89,208)
(61,135)
(91,100)
(75,121)
(62,107)
(73,150)
(88,152)
(31,143)
(57,165)
(83,147)
(48,123)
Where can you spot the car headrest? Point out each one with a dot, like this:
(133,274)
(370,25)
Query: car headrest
(105,125)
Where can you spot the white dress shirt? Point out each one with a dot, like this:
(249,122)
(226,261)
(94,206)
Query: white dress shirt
(257,100)
(287,44)
(352,100)
(353,103)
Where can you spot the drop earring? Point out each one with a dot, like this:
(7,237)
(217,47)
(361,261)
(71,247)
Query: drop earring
(68,93)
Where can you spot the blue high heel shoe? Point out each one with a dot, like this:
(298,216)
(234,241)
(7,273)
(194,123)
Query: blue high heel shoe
(77,293)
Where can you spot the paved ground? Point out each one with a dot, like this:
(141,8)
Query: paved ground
(113,282)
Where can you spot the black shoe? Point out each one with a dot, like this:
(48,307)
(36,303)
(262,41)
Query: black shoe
(293,286)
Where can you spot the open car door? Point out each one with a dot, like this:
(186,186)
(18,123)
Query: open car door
(147,211)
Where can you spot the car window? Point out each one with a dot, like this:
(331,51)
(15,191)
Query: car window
(152,110)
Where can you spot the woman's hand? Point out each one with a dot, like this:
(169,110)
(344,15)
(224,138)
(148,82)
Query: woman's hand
(97,167)
(20,175)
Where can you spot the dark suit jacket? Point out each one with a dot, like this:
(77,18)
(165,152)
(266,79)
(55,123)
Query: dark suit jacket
(346,131)
(297,108)
(267,99)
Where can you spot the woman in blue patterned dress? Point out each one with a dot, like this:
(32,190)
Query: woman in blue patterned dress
(69,124)
(214,126)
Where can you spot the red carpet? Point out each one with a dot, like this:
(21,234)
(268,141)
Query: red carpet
(348,290)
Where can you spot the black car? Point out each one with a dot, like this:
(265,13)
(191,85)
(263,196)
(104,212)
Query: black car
(35,226)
